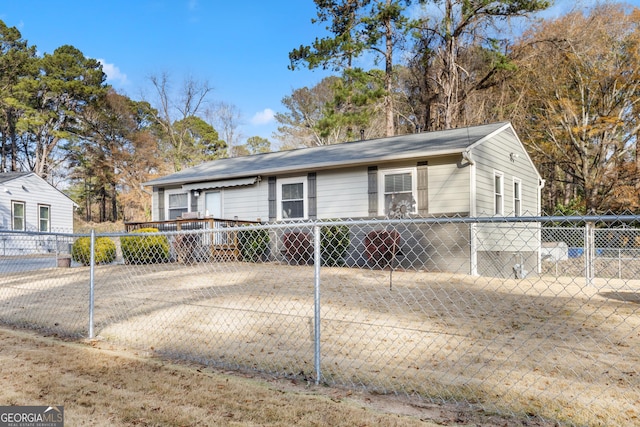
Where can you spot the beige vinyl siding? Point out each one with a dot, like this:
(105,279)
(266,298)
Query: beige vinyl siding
(155,204)
(448,185)
(247,203)
(34,191)
(510,237)
(495,155)
(342,193)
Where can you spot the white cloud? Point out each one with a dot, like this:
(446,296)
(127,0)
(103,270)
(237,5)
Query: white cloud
(114,75)
(263,117)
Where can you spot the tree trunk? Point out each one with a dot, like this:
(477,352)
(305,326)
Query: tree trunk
(449,80)
(114,202)
(388,102)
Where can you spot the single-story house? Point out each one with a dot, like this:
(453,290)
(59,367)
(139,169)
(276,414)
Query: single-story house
(29,203)
(473,171)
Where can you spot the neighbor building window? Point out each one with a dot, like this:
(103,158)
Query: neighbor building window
(292,198)
(498,191)
(517,197)
(44,218)
(178,203)
(397,192)
(18,216)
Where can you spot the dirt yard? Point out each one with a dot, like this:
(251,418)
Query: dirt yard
(546,347)
(100,384)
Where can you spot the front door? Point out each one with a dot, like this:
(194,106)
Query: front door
(213,204)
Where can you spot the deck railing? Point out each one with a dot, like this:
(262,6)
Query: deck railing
(221,242)
(180,224)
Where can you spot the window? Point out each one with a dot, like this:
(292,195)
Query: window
(517,197)
(292,198)
(18,216)
(398,192)
(44,219)
(498,191)
(178,203)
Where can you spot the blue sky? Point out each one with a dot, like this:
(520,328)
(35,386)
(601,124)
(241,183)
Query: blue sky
(239,47)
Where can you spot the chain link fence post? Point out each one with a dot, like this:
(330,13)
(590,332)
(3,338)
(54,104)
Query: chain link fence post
(92,264)
(316,298)
(473,250)
(589,251)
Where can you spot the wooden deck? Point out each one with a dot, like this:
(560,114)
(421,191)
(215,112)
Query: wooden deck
(217,244)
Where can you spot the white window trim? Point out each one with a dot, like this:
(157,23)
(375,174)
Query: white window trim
(24,213)
(517,212)
(40,205)
(496,193)
(414,187)
(305,196)
(167,193)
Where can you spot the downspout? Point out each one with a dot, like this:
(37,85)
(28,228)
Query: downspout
(473,239)
(541,183)
(466,155)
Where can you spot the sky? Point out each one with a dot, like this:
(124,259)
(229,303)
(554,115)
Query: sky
(240,48)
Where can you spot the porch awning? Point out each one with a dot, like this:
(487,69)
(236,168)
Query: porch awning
(220,184)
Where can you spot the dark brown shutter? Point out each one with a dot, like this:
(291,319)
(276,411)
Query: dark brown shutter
(273,208)
(311,197)
(423,189)
(160,192)
(373,191)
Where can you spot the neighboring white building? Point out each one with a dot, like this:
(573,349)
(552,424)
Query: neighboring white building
(29,203)
(472,172)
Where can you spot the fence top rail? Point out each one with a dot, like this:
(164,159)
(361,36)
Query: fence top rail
(181,222)
(4,233)
(465,220)
(232,224)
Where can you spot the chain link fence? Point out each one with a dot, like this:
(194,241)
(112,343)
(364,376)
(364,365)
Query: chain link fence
(537,317)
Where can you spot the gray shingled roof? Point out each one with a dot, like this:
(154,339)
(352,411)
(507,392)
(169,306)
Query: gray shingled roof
(338,155)
(9,176)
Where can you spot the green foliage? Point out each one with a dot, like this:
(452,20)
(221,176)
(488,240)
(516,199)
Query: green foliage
(575,207)
(200,142)
(356,98)
(105,250)
(254,244)
(145,249)
(334,242)
(257,144)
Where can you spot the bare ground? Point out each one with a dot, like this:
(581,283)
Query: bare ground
(541,346)
(100,384)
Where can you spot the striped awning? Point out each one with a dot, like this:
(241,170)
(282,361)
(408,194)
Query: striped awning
(210,185)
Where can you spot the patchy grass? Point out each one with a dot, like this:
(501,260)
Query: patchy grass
(101,385)
(544,346)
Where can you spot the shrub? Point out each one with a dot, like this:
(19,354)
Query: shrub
(145,249)
(104,248)
(298,247)
(334,242)
(254,244)
(381,246)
